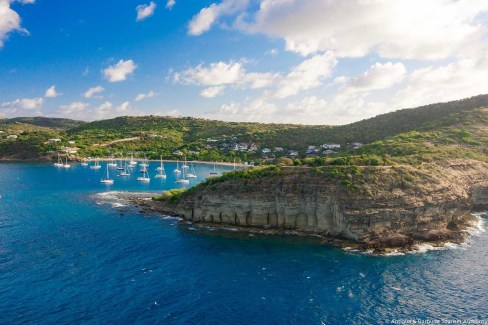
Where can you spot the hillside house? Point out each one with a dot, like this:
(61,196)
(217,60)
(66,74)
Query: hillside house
(11,137)
(357,145)
(253,147)
(328,152)
(331,146)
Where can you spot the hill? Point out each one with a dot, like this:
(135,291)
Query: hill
(457,126)
(48,122)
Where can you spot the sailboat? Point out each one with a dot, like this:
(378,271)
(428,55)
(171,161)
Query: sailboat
(107,180)
(126,170)
(184,166)
(112,164)
(162,173)
(119,165)
(213,172)
(183,179)
(161,167)
(145,176)
(192,173)
(59,163)
(132,161)
(84,163)
(96,166)
(234,164)
(145,164)
(177,170)
(66,165)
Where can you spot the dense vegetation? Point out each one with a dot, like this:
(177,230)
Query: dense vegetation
(412,136)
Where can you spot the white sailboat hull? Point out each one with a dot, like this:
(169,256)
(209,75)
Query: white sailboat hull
(107,181)
(183,181)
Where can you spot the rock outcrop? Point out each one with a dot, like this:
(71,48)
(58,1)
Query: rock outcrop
(376,206)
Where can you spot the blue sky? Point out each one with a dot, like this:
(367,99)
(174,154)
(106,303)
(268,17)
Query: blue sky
(292,61)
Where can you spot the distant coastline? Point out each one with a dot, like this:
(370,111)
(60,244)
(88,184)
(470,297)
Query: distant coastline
(218,163)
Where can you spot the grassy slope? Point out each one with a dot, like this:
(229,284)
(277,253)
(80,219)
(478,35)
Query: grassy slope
(47,122)
(404,133)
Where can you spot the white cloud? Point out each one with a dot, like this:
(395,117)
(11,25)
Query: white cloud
(51,92)
(212,91)
(204,20)
(142,96)
(307,75)
(145,11)
(170,4)
(379,76)
(413,29)
(258,109)
(120,71)
(106,110)
(219,73)
(9,21)
(92,91)
(24,103)
(73,109)
(124,107)
(456,80)
(222,73)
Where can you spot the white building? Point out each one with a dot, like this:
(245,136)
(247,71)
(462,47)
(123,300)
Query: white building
(331,146)
(53,140)
(328,152)
(266,150)
(357,145)
(12,136)
(278,149)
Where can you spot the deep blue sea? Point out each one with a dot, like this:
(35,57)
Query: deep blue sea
(65,259)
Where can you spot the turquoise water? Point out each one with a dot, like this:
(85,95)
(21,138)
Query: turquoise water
(66,259)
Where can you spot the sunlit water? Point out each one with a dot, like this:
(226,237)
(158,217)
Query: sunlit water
(66,259)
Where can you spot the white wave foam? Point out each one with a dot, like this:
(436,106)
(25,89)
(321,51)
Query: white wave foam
(394,252)
(479,226)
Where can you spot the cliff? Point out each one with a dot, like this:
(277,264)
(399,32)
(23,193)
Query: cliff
(375,206)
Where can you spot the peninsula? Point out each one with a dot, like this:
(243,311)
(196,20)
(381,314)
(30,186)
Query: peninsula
(392,181)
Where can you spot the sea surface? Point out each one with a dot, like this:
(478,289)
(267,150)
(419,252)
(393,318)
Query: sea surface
(66,257)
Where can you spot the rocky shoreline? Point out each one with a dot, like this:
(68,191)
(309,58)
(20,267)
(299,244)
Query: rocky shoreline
(396,244)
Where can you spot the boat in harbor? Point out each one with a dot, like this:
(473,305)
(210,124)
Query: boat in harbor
(112,163)
(177,169)
(162,173)
(96,165)
(107,179)
(66,165)
(214,171)
(59,163)
(191,173)
(145,175)
(126,170)
(183,179)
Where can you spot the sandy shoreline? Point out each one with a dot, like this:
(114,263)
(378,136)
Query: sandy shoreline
(218,163)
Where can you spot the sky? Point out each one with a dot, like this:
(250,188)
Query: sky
(274,61)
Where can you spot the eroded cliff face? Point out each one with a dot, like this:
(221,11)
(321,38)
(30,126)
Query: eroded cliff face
(388,205)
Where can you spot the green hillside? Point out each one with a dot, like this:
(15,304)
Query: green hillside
(457,127)
(48,122)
